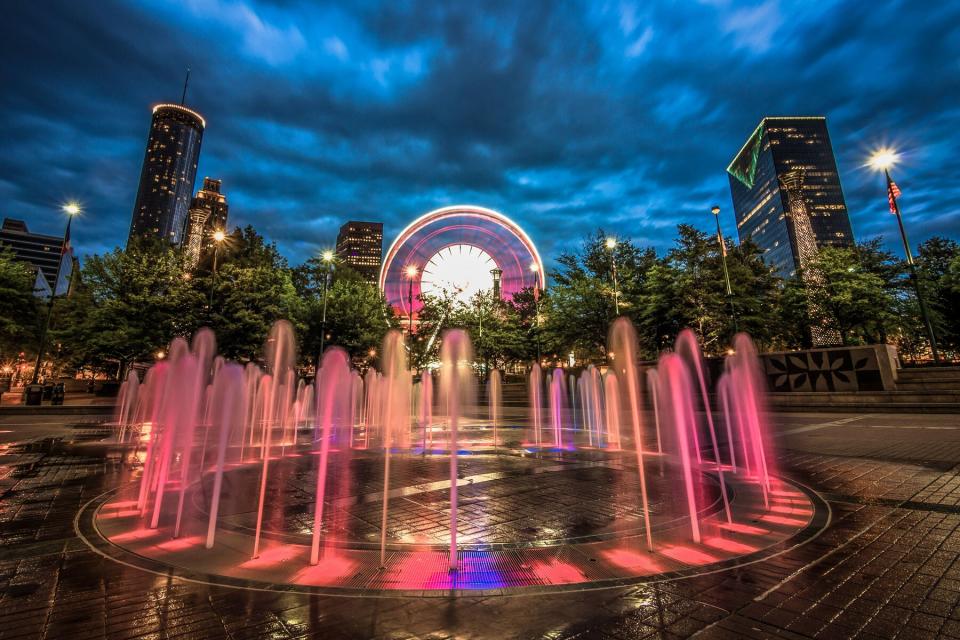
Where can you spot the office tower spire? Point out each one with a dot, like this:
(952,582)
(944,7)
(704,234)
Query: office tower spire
(208,213)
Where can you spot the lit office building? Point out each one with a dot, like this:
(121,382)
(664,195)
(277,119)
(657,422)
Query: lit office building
(786,192)
(208,213)
(360,247)
(169,170)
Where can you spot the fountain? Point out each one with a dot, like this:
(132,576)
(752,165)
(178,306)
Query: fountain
(372,480)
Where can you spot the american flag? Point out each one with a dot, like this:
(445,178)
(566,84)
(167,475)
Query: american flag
(893,192)
(66,242)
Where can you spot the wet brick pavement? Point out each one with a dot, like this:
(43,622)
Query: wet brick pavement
(887,567)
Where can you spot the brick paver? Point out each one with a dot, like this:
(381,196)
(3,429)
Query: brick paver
(888,566)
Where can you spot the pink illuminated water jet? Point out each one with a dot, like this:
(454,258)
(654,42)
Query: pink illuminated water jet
(238,432)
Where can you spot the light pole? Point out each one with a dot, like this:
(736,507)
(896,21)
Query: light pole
(536,301)
(411,272)
(611,245)
(71,209)
(882,160)
(327,258)
(726,274)
(218,238)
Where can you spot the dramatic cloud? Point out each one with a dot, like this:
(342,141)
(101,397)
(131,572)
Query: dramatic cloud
(581,115)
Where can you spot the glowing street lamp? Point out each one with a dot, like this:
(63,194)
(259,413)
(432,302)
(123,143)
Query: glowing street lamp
(327,257)
(411,272)
(611,245)
(715,210)
(883,160)
(71,209)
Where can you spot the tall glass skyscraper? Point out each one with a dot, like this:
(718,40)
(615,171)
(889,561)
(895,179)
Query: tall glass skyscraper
(169,169)
(786,192)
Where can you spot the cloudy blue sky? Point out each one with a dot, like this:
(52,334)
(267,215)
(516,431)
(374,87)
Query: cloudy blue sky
(565,116)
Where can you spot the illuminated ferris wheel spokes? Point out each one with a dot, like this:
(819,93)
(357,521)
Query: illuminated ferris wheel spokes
(460,269)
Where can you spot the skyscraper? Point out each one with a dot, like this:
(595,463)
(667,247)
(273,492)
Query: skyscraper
(208,213)
(169,169)
(360,247)
(786,192)
(42,252)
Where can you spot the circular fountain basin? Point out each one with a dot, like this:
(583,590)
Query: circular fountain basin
(526,523)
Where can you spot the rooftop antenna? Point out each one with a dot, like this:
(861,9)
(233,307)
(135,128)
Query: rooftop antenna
(186,81)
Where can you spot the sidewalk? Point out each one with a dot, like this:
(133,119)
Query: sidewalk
(74,403)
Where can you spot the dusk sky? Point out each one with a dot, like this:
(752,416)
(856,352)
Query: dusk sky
(566,116)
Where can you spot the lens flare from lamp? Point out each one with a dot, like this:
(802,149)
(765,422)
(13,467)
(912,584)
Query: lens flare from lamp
(883,159)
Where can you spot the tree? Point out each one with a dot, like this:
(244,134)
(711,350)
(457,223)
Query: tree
(581,302)
(935,258)
(251,289)
(856,295)
(757,293)
(950,299)
(500,339)
(129,306)
(247,301)
(437,313)
(687,289)
(19,309)
(357,318)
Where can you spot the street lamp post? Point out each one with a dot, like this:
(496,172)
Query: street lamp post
(327,258)
(71,209)
(218,238)
(726,274)
(882,160)
(611,245)
(536,302)
(411,272)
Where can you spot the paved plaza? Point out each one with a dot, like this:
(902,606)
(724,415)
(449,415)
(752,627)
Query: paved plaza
(884,565)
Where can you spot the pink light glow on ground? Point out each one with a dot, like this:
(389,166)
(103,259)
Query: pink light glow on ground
(787,522)
(688,555)
(121,504)
(730,546)
(631,559)
(127,513)
(140,533)
(743,528)
(180,544)
(328,572)
(422,570)
(784,493)
(790,510)
(274,556)
(554,571)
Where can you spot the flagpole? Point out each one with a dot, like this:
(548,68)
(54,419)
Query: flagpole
(71,210)
(895,205)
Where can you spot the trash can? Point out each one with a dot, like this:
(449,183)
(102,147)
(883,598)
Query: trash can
(58,392)
(47,391)
(33,394)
